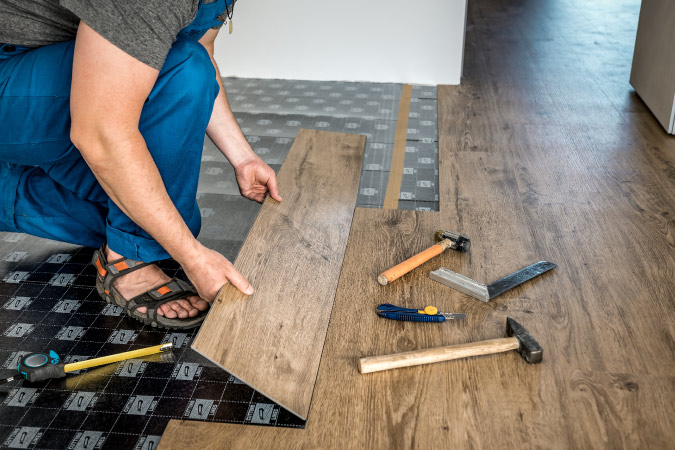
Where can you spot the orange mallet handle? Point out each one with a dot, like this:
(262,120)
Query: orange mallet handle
(409,264)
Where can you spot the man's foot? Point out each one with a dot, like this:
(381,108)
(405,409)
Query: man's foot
(149,277)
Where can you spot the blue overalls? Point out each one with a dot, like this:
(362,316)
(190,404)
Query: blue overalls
(47,189)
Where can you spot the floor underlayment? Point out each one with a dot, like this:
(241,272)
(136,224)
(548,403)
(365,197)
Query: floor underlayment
(48,300)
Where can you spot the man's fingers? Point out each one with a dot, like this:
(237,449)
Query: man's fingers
(257,195)
(238,281)
(274,189)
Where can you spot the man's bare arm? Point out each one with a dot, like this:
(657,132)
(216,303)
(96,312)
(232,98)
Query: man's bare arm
(255,177)
(108,91)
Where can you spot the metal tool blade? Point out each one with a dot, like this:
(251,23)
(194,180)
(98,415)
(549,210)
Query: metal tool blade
(453,316)
(525,274)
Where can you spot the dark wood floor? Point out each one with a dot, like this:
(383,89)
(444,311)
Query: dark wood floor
(545,153)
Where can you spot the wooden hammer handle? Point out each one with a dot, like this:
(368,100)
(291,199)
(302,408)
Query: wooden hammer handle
(409,264)
(438,354)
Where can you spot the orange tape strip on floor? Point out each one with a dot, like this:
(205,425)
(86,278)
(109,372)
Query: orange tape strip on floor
(398,155)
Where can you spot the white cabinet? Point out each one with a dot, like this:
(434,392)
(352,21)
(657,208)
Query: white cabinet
(653,71)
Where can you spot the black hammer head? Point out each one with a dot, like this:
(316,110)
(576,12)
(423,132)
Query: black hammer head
(459,242)
(529,348)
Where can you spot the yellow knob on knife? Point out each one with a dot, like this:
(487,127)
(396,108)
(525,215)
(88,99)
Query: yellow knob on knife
(429,310)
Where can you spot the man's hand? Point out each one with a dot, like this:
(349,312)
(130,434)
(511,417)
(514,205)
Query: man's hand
(255,179)
(209,271)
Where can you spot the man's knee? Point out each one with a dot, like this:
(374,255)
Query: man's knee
(189,72)
(174,120)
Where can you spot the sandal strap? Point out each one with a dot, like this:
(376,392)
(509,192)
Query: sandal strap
(110,271)
(154,298)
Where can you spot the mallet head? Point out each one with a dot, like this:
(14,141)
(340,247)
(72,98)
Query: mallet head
(529,348)
(459,242)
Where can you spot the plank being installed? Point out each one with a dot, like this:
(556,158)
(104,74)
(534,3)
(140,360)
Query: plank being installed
(273,340)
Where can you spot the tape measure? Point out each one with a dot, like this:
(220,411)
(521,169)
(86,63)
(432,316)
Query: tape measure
(43,366)
(39,366)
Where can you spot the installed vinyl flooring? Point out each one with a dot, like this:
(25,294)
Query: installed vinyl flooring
(545,153)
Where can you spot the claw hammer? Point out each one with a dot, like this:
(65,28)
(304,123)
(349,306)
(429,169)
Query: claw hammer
(444,239)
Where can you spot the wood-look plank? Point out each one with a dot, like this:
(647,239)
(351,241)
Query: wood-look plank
(292,255)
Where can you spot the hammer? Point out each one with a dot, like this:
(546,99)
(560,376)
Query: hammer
(445,239)
(519,339)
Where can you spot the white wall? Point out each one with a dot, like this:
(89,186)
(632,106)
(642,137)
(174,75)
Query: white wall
(414,41)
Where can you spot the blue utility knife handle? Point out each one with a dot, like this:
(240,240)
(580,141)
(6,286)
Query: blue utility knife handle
(393,308)
(410,317)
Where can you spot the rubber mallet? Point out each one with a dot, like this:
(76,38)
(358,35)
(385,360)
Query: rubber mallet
(518,339)
(444,239)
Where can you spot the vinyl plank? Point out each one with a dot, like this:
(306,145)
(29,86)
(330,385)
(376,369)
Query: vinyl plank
(292,255)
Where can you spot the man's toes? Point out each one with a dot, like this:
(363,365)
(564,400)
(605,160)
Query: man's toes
(167,311)
(182,312)
(199,303)
(187,306)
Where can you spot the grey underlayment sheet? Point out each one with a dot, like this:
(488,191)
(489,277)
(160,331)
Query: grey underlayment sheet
(48,300)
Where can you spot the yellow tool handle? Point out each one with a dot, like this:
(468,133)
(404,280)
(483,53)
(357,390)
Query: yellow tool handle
(432,355)
(115,358)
